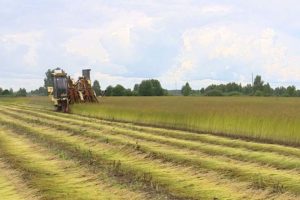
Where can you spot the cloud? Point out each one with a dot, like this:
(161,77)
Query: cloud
(232,53)
(86,43)
(31,40)
(197,41)
(216,9)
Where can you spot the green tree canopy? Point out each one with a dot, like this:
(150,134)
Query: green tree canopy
(97,88)
(118,90)
(150,87)
(109,90)
(48,81)
(186,90)
(267,90)
(258,84)
(291,91)
(6,92)
(146,88)
(21,92)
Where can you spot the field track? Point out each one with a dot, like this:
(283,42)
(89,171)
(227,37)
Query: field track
(68,156)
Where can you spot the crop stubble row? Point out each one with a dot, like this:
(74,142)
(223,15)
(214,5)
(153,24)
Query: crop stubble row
(169,152)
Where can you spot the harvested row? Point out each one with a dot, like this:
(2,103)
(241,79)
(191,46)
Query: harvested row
(52,177)
(243,171)
(267,158)
(11,185)
(172,179)
(205,138)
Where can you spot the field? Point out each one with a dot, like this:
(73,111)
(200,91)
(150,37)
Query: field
(275,120)
(151,148)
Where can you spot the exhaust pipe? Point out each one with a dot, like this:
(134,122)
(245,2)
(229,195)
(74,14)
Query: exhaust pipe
(86,73)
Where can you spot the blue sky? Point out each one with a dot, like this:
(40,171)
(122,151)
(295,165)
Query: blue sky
(202,42)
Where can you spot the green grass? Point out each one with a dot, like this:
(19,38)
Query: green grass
(11,186)
(266,119)
(176,180)
(58,153)
(254,170)
(270,157)
(17,100)
(47,174)
(206,138)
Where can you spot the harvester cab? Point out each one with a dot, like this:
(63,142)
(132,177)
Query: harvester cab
(59,91)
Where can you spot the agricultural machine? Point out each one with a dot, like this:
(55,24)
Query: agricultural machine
(66,91)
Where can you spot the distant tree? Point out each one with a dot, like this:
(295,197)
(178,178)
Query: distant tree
(186,90)
(291,91)
(157,89)
(109,91)
(247,90)
(298,93)
(97,88)
(258,93)
(41,91)
(231,87)
(1,90)
(6,92)
(150,87)
(128,92)
(211,87)
(119,90)
(146,88)
(135,91)
(280,91)
(258,84)
(21,92)
(214,92)
(202,91)
(267,90)
(48,81)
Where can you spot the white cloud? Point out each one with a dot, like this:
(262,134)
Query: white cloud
(216,9)
(208,52)
(16,83)
(86,43)
(186,40)
(113,42)
(31,40)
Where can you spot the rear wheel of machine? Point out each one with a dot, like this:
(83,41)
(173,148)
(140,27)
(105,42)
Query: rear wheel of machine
(65,106)
(58,108)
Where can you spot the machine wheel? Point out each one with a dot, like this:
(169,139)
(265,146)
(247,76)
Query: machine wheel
(58,108)
(65,106)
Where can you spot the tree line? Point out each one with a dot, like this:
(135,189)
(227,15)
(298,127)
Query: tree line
(258,88)
(10,93)
(152,87)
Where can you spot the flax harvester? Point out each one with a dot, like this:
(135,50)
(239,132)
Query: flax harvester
(66,91)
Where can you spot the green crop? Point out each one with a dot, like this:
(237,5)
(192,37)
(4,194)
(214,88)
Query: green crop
(265,119)
(87,155)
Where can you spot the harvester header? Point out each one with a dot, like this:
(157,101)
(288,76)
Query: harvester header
(66,91)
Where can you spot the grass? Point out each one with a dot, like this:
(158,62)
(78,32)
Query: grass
(67,156)
(172,179)
(207,138)
(267,119)
(11,185)
(255,174)
(47,174)
(269,158)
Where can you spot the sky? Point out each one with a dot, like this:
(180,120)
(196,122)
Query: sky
(174,41)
